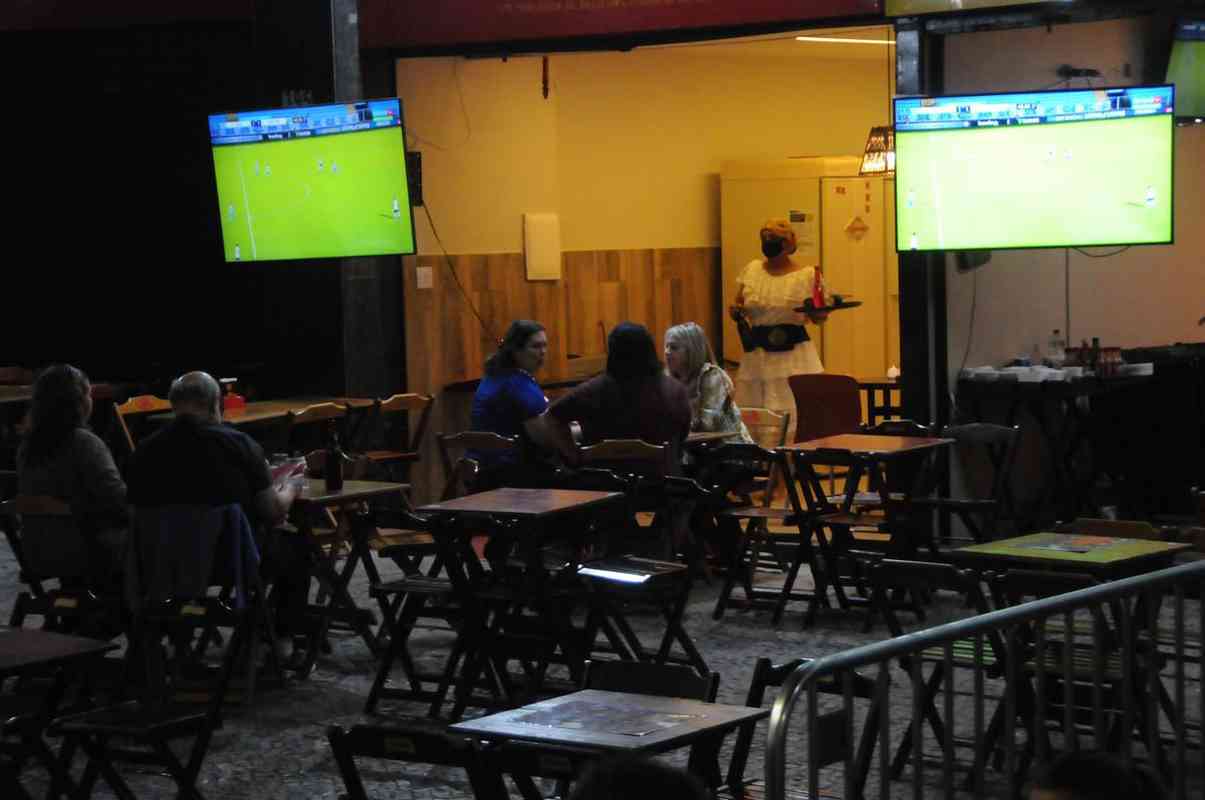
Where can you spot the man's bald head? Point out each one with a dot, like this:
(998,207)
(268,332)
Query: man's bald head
(197,394)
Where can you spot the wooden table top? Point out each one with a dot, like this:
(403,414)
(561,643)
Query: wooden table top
(22,648)
(612,721)
(523,502)
(1069,548)
(869,445)
(16,394)
(879,382)
(353,491)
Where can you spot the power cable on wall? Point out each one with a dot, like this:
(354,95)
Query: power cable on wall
(493,337)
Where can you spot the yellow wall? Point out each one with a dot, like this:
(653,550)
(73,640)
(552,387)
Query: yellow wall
(1144,296)
(628,146)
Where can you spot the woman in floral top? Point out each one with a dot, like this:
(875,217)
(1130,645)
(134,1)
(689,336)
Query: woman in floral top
(690,359)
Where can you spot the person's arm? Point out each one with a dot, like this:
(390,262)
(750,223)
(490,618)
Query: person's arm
(551,429)
(273,503)
(715,395)
(101,482)
(552,433)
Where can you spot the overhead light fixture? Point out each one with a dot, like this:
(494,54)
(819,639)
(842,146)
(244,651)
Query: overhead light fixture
(842,40)
(879,157)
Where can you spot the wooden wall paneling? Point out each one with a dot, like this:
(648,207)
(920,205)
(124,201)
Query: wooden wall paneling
(445,343)
(611,311)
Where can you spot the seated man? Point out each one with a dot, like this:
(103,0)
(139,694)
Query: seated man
(196,460)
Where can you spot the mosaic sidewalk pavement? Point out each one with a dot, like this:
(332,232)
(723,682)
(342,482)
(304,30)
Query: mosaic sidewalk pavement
(278,749)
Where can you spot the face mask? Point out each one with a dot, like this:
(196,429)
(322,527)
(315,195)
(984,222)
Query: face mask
(771,247)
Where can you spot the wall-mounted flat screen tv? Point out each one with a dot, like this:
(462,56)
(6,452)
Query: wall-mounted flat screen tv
(312,181)
(1186,69)
(1070,168)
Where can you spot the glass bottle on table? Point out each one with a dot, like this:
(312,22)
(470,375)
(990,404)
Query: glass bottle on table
(332,470)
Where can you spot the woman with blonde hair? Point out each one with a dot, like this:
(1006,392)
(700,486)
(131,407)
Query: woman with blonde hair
(690,359)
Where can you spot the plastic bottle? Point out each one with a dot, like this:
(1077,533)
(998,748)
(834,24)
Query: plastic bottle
(1056,351)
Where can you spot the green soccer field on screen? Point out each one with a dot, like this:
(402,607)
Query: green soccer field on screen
(325,196)
(1096,182)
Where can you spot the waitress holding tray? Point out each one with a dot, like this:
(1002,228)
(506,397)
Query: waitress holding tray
(774,335)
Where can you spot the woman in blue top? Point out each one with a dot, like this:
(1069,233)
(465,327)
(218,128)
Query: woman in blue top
(509,398)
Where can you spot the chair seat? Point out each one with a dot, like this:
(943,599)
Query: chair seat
(866,498)
(378,456)
(630,570)
(963,654)
(853,520)
(396,537)
(20,711)
(760,512)
(1083,666)
(414,584)
(133,720)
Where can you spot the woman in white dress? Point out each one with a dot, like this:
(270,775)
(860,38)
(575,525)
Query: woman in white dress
(777,343)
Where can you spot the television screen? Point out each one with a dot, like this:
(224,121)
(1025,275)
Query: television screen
(1070,168)
(1186,69)
(313,181)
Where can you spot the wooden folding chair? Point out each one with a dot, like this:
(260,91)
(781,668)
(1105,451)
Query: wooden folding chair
(888,579)
(994,446)
(174,609)
(460,473)
(388,451)
(300,426)
(129,414)
(58,565)
(413,742)
(1120,529)
(769,430)
(832,742)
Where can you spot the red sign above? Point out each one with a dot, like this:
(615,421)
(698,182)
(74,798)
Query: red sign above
(405,24)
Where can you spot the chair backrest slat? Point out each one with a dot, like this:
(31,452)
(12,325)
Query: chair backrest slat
(406,404)
(1120,528)
(641,677)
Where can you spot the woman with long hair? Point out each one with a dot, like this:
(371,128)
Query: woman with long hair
(508,397)
(690,359)
(633,399)
(60,457)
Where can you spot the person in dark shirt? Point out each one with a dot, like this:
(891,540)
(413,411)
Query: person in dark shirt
(633,399)
(196,460)
(60,457)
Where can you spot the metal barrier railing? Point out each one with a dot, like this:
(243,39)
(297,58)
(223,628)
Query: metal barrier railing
(1092,664)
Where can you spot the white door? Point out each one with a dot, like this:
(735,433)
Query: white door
(853,235)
